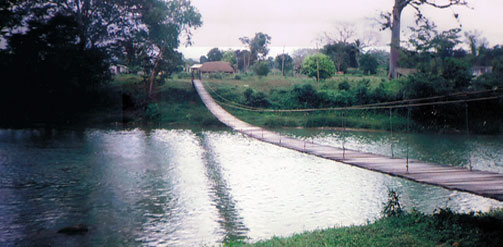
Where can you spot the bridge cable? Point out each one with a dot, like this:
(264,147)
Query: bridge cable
(374,106)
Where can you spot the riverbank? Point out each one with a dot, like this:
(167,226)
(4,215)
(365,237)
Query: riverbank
(442,228)
(177,104)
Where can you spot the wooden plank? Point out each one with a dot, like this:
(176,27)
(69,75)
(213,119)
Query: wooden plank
(483,183)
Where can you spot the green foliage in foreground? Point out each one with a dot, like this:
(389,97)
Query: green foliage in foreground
(400,228)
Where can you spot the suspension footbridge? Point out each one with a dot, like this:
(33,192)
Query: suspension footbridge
(483,183)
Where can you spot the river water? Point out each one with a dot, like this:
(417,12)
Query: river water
(183,187)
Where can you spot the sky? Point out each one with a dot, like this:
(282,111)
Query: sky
(295,24)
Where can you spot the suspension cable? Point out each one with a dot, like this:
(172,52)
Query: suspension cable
(374,106)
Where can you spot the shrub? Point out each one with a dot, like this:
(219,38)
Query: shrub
(368,64)
(318,62)
(457,73)
(255,99)
(261,68)
(306,96)
(344,85)
(392,207)
(361,93)
(152,112)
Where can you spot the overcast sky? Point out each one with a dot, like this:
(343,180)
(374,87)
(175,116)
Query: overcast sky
(297,23)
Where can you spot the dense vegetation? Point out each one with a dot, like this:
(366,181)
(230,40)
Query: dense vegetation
(56,56)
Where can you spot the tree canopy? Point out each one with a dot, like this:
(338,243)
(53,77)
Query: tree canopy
(257,45)
(214,55)
(77,40)
(319,66)
(392,20)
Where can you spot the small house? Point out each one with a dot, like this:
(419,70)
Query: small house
(212,67)
(480,70)
(399,72)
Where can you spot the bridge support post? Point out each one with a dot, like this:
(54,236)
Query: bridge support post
(468,133)
(391,132)
(408,130)
(343,136)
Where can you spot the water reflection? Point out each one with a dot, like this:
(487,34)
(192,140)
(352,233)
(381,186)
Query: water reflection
(230,220)
(191,188)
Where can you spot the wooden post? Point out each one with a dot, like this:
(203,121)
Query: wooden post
(468,133)
(408,125)
(343,136)
(466,118)
(391,132)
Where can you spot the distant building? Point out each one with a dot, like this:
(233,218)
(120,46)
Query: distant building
(216,67)
(399,72)
(118,69)
(211,67)
(480,70)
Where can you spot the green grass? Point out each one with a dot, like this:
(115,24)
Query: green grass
(443,228)
(277,89)
(278,82)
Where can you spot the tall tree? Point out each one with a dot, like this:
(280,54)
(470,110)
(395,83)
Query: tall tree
(214,55)
(150,29)
(392,20)
(258,46)
(284,62)
(166,21)
(342,54)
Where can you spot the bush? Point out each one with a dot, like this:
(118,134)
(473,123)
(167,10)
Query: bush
(344,85)
(152,112)
(261,68)
(361,92)
(392,207)
(318,62)
(368,64)
(457,73)
(255,99)
(307,96)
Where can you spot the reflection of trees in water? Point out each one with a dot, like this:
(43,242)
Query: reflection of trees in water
(229,220)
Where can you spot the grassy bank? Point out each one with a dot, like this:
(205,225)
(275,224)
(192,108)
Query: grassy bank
(177,104)
(443,228)
(278,92)
(400,228)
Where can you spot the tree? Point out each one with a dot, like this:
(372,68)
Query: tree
(368,64)
(257,45)
(299,56)
(229,56)
(166,22)
(203,59)
(149,29)
(475,41)
(319,66)
(261,68)
(242,59)
(49,75)
(284,63)
(343,55)
(214,55)
(392,20)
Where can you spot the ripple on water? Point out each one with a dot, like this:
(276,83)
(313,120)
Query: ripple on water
(186,188)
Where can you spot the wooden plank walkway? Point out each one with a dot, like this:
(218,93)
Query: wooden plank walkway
(482,183)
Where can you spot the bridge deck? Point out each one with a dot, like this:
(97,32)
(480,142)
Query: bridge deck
(483,183)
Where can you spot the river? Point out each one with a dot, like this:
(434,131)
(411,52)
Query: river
(184,187)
